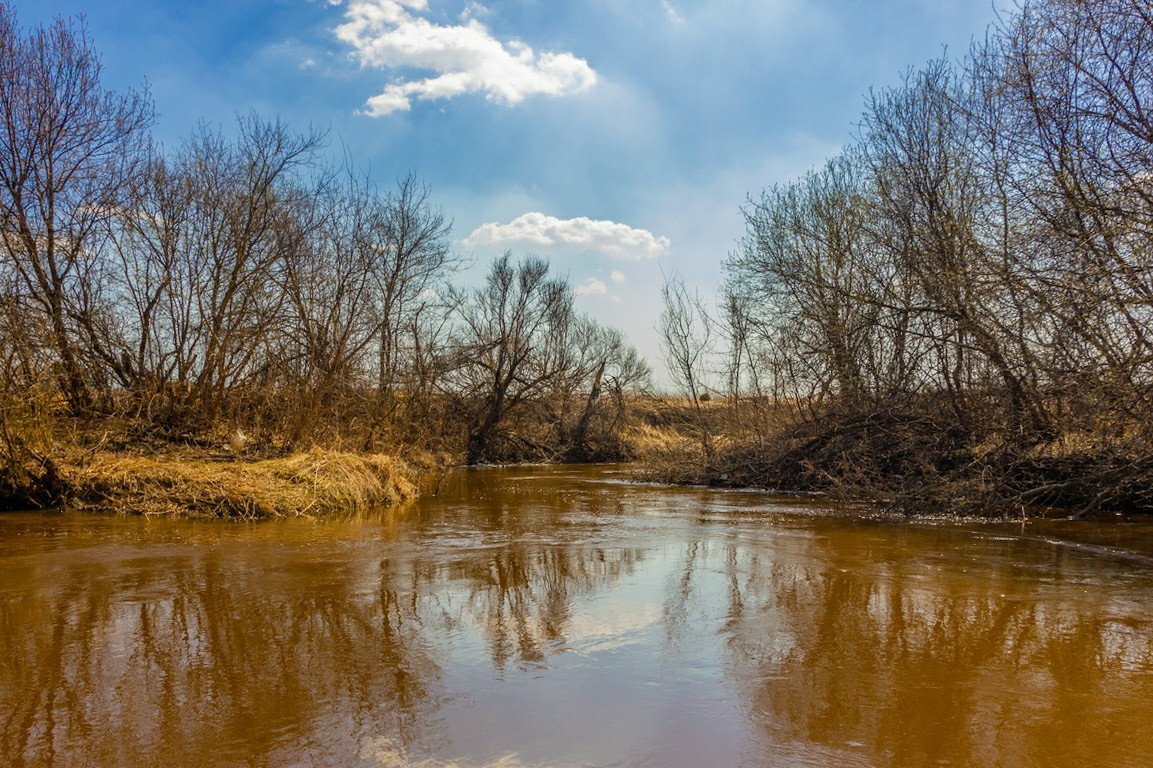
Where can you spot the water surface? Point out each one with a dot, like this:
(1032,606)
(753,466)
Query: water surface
(566,617)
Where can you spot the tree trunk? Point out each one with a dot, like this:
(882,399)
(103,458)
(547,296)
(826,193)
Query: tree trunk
(579,449)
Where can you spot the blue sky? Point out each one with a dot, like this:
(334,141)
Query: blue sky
(618,138)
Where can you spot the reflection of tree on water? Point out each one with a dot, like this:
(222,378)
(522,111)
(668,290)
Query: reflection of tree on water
(885,655)
(151,662)
(823,642)
(535,549)
(523,594)
(271,657)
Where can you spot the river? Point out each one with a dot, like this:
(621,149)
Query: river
(561,616)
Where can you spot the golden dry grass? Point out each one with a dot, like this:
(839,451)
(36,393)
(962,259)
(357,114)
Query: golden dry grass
(315,483)
(654,442)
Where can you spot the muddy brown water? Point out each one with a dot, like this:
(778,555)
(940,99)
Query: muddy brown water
(547,616)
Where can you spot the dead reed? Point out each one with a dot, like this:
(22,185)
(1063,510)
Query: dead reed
(314,483)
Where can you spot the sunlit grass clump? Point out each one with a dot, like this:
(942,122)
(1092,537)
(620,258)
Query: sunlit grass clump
(315,483)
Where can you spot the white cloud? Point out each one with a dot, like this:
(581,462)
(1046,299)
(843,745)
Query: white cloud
(591,286)
(618,241)
(472,9)
(612,627)
(385,34)
(617,276)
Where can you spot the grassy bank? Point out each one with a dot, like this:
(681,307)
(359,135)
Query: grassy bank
(313,483)
(128,462)
(197,483)
(912,459)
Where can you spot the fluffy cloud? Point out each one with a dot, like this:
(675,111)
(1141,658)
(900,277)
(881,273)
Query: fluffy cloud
(592,286)
(386,34)
(618,241)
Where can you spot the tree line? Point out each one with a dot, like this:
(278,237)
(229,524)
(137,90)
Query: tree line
(245,279)
(966,290)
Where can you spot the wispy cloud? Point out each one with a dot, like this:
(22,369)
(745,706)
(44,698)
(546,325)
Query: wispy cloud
(473,8)
(618,241)
(390,34)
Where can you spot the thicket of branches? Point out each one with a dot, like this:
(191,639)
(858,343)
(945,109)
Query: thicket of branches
(964,294)
(244,280)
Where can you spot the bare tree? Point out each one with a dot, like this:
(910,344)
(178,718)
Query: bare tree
(409,257)
(934,197)
(148,254)
(69,150)
(512,343)
(204,259)
(810,258)
(1076,84)
(317,354)
(686,340)
(600,361)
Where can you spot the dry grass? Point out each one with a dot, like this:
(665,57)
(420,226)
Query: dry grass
(656,442)
(315,483)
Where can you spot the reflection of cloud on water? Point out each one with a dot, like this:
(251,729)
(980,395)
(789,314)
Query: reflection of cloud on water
(611,628)
(387,753)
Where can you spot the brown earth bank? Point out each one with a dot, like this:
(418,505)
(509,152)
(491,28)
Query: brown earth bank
(130,466)
(911,461)
(208,478)
(914,460)
(316,482)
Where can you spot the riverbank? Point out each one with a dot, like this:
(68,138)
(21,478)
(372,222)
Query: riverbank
(914,461)
(315,482)
(689,626)
(192,482)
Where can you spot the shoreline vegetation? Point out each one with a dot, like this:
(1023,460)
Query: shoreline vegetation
(316,483)
(895,463)
(953,315)
(911,462)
